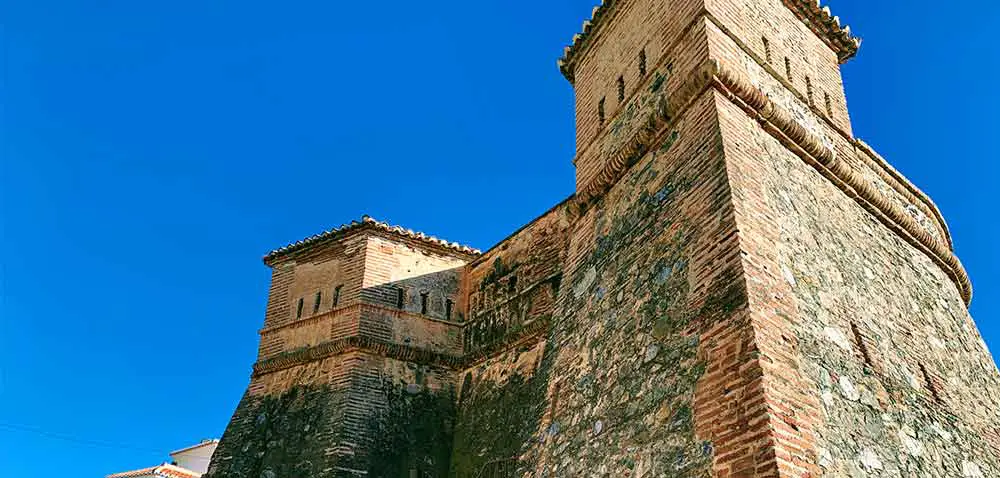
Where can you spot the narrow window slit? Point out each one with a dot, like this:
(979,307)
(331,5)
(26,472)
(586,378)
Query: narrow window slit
(642,62)
(448,304)
(400,295)
(621,89)
(809,90)
(336,294)
(512,284)
(600,111)
(554,405)
(767,50)
(788,68)
(423,303)
(318,301)
(298,310)
(829,104)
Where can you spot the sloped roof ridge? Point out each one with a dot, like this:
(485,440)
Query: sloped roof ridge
(368,221)
(165,470)
(818,17)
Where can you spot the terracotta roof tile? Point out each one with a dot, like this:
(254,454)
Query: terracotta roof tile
(164,470)
(368,222)
(812,12)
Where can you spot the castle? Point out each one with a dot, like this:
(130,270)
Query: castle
(739,287)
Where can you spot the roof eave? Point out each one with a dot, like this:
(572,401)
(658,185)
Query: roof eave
(368,223)
(818,17)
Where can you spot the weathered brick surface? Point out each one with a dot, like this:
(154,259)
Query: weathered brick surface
(738,288)
(517,282)
(512,298)
(839,281)
(651,278)
(614,53)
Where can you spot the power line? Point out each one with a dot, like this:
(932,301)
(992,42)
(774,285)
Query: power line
(78,440)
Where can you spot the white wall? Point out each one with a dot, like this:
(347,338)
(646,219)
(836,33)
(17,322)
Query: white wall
(195,459)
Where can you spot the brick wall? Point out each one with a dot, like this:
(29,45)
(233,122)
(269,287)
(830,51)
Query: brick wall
(649,311)
(391,265)
(767,26)
(516,283)
(322,270)
(613,53)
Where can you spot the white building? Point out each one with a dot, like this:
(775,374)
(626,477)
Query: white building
(190,462)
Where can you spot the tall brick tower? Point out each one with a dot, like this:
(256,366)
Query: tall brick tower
(739,287)
(756,292)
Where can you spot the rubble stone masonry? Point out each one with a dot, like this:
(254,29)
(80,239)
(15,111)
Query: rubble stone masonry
(739,287)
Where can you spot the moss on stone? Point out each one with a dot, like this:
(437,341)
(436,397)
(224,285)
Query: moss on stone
(285,435)
(411,433)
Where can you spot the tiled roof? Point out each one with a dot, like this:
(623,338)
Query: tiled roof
(827,26)
(368,222)
(812,12)
(164,470)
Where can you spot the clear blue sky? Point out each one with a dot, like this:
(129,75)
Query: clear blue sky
(153,151)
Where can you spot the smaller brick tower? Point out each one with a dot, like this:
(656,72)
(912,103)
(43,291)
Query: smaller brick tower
(349,378)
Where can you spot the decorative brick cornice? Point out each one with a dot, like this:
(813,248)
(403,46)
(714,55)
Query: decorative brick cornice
(810,148)
(903,186)
(355,310)
(369,223)
(354,344)
(782,125)
(817,17)
(533,331)
(665,113)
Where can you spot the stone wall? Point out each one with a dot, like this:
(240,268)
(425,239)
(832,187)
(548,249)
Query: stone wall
(501,407)
(512,297)
(650,278)
(905,384)
(289,423)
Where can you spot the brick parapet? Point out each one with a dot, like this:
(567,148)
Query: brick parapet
(377,346)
